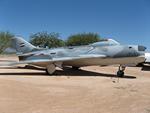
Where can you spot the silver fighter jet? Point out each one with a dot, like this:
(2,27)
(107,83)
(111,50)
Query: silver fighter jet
(108,52)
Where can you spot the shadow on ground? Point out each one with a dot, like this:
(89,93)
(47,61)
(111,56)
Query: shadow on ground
(68,72)
(145,68)
(71,72)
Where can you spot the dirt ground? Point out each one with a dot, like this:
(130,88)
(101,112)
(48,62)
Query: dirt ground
(90,90)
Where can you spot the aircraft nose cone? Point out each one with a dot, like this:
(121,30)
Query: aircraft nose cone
(141,48)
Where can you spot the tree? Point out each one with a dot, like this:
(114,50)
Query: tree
(44,39)
(82,39)
(5,38)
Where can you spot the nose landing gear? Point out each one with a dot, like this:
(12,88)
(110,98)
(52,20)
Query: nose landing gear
(120,72)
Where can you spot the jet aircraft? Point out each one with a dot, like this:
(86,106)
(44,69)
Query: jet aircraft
(103,53)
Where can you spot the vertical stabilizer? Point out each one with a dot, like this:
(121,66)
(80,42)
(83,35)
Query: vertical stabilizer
(22,46)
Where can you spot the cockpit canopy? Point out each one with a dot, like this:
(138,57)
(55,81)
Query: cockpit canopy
(107,42)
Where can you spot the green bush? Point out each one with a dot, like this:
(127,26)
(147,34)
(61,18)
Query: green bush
(44,39)
(5,38)
(82,39)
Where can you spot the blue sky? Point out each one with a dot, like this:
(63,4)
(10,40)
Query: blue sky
(127,21)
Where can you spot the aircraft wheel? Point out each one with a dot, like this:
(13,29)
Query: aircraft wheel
(50,69)
(120,73)
(75,68)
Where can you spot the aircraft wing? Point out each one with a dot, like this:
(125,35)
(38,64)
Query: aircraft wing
(53,60)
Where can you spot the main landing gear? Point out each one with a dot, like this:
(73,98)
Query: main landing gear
(120,72)
(50,69)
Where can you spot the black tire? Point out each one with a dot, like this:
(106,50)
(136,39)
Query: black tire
(120,73)
(140,65)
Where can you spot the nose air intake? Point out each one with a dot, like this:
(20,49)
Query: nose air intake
(141,48)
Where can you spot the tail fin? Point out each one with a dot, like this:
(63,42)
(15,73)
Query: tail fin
(22,46)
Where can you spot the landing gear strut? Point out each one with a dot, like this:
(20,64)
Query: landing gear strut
(120,72)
